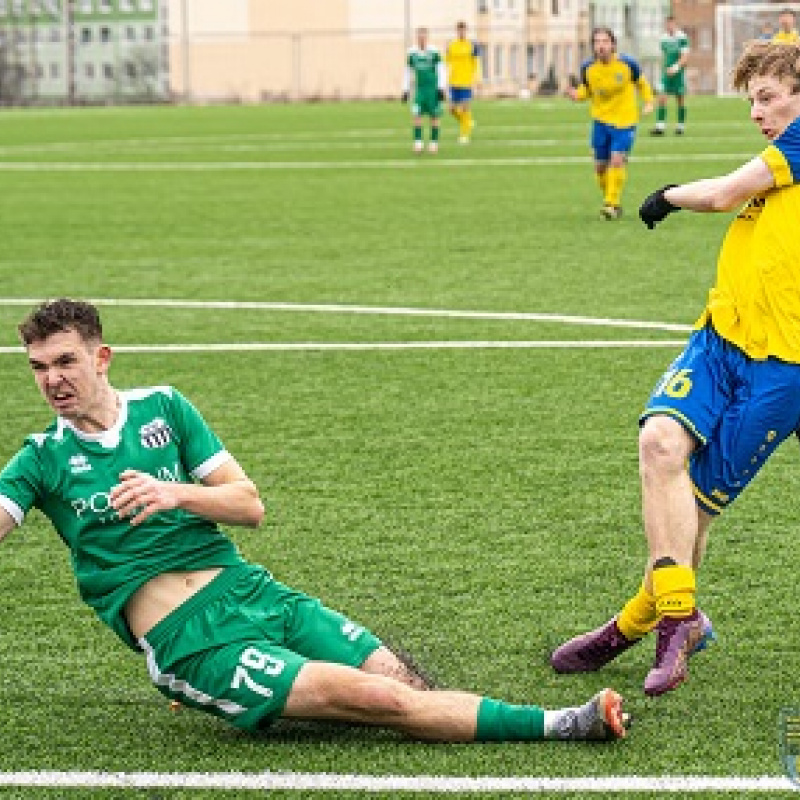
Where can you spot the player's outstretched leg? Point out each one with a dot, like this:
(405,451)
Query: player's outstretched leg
(591,651)
(678,638)
(601,718)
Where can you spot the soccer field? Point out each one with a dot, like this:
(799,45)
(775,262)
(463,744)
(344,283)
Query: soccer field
(432,366)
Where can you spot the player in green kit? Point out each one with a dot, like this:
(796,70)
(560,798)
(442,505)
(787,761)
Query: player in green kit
(136,484)
(675,55)
(426,70)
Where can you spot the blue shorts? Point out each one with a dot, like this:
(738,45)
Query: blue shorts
(607,139)
(460,94)
(738,408)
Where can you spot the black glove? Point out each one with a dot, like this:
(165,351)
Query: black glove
(440,95)
(656,207)
(404,97)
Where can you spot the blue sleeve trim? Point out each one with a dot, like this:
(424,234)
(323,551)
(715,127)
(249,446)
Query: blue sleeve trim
(633,66)
(789,145)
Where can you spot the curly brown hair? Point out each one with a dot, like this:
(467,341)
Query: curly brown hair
(55,316)
(775,59)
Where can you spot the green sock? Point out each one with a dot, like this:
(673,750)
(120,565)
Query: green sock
(417,133)
(435,134)
(661,114)
(503,722)
(681,114)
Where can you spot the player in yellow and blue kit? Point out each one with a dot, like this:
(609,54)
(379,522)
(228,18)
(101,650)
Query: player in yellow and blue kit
(463,66)
(614,84)
(733,395)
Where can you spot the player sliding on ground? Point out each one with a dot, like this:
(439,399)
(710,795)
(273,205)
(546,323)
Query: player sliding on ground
(733,395)
(135,484)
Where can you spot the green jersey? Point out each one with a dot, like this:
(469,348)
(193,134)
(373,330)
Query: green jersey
(427,68)
(673,46)
(68,475)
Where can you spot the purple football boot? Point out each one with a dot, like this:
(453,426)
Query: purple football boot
(678,638)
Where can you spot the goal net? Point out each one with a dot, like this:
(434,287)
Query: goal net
(737,24)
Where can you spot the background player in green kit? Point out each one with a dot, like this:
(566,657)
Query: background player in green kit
(426,70)
(675,55)
(135,484)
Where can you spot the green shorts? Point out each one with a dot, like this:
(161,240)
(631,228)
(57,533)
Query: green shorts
(673,84)
(426,104)
(234,649)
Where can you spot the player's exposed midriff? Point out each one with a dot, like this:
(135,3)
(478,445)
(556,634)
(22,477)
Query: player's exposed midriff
(162,595)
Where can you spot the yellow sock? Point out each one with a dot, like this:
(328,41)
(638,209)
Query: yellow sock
(465,123)
(615,180)
(639,615)
(674,590)
(601,181)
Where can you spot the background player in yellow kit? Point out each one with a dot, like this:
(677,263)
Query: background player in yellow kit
(787,28)
(463,67)
(615,85)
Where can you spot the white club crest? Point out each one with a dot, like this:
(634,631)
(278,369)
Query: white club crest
(155,434)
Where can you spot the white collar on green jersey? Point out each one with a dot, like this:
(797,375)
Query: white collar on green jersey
(108,438)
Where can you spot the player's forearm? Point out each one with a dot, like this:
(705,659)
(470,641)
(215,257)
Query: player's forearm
(234,503)
(706,195)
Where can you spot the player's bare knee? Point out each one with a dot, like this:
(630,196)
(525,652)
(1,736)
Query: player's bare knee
(663,446)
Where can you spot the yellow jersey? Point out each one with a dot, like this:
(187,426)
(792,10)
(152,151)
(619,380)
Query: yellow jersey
(614,89)
(755,303)
(462,62)
(787,37)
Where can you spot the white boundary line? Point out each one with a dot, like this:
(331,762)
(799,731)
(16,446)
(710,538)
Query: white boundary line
(337,308)
(243,347)
(397,783)
(406,163)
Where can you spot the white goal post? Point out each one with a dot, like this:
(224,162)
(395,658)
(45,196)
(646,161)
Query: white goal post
(735,25)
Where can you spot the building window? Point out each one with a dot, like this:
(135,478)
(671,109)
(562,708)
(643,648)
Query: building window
(86,35)
(55,34)
(498,61)
(3,8)
(126,6)
(554,7)
(108,71)
(130,69)
(513,62)
(85,7)
(130,33)
(148,33)
(105,34)
(89,71)
(146,5)
(105,6)
(483,7)
(54,70)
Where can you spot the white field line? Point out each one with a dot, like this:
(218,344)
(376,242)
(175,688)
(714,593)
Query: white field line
(278,142)
(408,163)
(679,785)
(242,347)
(338,308)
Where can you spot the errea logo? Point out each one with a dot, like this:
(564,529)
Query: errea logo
(155,434)
(78,464)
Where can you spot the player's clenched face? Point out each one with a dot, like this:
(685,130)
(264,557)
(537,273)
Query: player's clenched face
(773,104)
(70,373)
